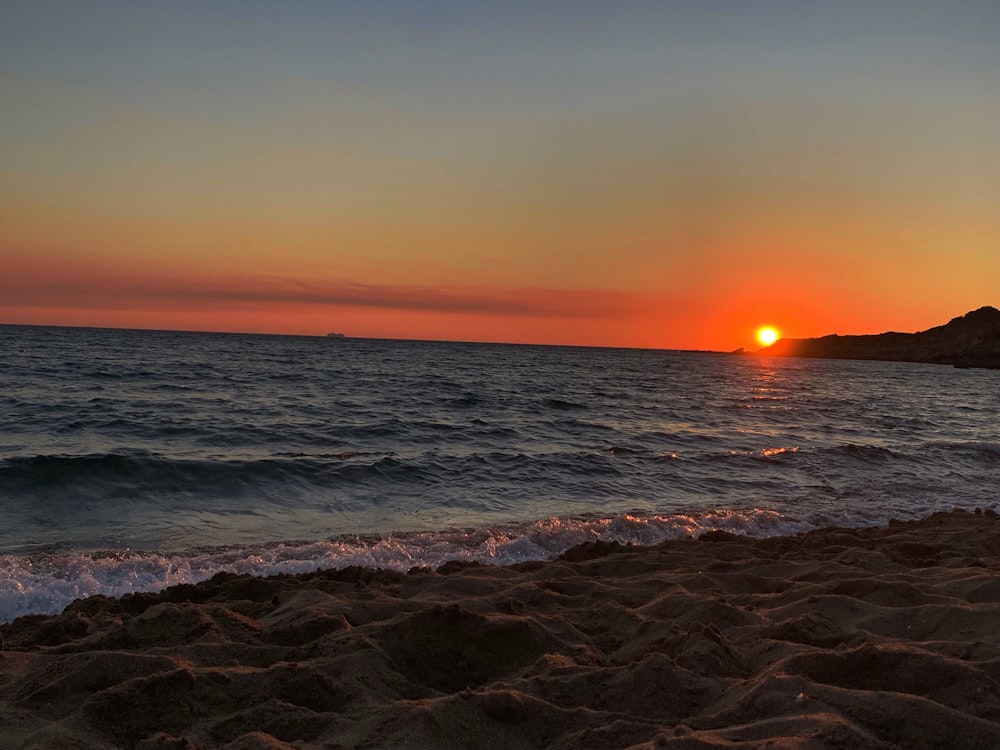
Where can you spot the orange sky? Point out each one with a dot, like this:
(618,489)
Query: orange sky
(668,176)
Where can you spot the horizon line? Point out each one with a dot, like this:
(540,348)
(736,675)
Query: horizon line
(366,338)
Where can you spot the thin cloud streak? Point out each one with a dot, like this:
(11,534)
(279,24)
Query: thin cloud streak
(51,288)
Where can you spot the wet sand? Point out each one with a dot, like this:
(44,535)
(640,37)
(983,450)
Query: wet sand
(852,638)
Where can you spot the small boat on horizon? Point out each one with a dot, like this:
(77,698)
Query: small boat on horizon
(335,335)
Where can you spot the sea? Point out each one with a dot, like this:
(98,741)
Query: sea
(132,460)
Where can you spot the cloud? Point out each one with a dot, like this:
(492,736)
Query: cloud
(51,285)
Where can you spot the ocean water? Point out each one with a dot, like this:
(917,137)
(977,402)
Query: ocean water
(134,460)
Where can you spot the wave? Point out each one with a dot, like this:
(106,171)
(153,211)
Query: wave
(119,473)
(562,404)
(864,453)
(513,483)
(969,454)
(47,583)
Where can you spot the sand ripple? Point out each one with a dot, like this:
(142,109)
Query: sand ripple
(867,638)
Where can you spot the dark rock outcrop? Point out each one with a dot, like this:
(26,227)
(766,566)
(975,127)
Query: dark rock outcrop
(972,340)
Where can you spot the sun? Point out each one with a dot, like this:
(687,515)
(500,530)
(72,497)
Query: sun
(767,335)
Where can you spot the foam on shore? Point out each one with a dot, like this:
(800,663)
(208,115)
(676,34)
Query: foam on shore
(863,637)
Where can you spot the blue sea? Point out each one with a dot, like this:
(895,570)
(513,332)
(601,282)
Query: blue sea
(134,460)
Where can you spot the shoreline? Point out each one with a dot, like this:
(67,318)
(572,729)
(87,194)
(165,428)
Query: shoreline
(844,637)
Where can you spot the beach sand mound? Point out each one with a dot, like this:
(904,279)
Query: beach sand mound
(840,638)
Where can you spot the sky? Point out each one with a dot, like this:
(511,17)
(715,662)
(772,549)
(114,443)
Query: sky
(656,174)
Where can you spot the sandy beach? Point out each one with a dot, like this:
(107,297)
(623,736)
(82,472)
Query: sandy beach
(853,638)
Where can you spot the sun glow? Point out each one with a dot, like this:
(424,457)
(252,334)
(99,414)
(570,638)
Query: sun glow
(767,335)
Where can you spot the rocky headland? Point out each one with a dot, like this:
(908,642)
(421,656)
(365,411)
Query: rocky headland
(971,340)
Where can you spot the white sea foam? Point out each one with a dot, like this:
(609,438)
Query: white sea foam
(47,583)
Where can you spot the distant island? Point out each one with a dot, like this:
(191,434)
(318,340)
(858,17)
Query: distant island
(972,340)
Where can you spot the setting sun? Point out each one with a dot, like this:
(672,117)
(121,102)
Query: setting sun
(767,335)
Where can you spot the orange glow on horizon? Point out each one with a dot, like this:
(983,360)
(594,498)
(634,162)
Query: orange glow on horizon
(718,312)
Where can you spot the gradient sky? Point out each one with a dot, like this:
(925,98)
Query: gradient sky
(661,174)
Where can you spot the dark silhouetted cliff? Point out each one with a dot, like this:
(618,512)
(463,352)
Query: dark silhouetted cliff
(972,340)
